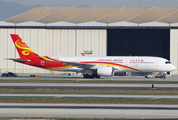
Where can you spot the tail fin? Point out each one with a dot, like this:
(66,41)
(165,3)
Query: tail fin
(23,50)
(83,54)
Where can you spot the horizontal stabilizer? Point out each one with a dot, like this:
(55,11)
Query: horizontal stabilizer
(19,60)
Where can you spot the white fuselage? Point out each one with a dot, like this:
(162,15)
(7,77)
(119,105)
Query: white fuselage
(121,63)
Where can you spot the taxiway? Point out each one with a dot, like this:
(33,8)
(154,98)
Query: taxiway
(91,96)
(90,85)
(88,110)
(77,77)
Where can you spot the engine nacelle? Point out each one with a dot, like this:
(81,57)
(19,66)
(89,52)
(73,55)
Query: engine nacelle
(105,71)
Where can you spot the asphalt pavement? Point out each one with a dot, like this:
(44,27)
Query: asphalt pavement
(92,96)
(127,111)
(91,85)
(24,76)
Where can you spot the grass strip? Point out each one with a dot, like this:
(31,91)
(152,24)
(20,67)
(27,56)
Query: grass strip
(86,81)
(87,100)
(121,91)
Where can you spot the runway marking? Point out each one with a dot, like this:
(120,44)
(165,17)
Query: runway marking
(29,115)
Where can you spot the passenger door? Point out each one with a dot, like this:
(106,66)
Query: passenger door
(42,62)
(156,62)
(126,62)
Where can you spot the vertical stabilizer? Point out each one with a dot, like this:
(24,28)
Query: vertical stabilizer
(24,51)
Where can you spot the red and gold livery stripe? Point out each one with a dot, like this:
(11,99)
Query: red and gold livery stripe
(112,64)
(58,64)
(62,67)
(95,63)
(48,58)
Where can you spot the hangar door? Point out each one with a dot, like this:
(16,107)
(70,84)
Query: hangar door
(138,42)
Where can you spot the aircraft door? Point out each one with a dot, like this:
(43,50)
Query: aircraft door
(126,62)
(42,62)
(156,62)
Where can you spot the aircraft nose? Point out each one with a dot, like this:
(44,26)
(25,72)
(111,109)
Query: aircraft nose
(173,67)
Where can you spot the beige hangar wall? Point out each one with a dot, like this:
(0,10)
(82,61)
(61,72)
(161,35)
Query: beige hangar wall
(174,49)
(50,42)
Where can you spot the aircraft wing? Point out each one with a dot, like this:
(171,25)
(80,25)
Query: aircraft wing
(82,65)
(79,65)
(75,64)
(19,60)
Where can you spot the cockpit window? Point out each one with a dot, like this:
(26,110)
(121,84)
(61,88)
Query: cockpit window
(167,62)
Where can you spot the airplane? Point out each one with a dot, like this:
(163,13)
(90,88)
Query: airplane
(90,66)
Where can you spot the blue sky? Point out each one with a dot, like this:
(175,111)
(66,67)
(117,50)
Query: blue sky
(77,3)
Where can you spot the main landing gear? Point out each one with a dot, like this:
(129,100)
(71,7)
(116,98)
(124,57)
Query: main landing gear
(90,76)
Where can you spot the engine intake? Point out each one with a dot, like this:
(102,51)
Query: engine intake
(105,71)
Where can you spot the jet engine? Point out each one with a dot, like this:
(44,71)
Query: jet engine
(105,71)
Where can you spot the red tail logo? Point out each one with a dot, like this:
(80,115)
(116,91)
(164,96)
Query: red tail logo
(23,50)
(83,54)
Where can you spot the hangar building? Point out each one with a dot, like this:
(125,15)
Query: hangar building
(107,31)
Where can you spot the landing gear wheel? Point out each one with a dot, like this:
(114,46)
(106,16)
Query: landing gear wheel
(90,76)
(163,77)
(85,76)
(97,76)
